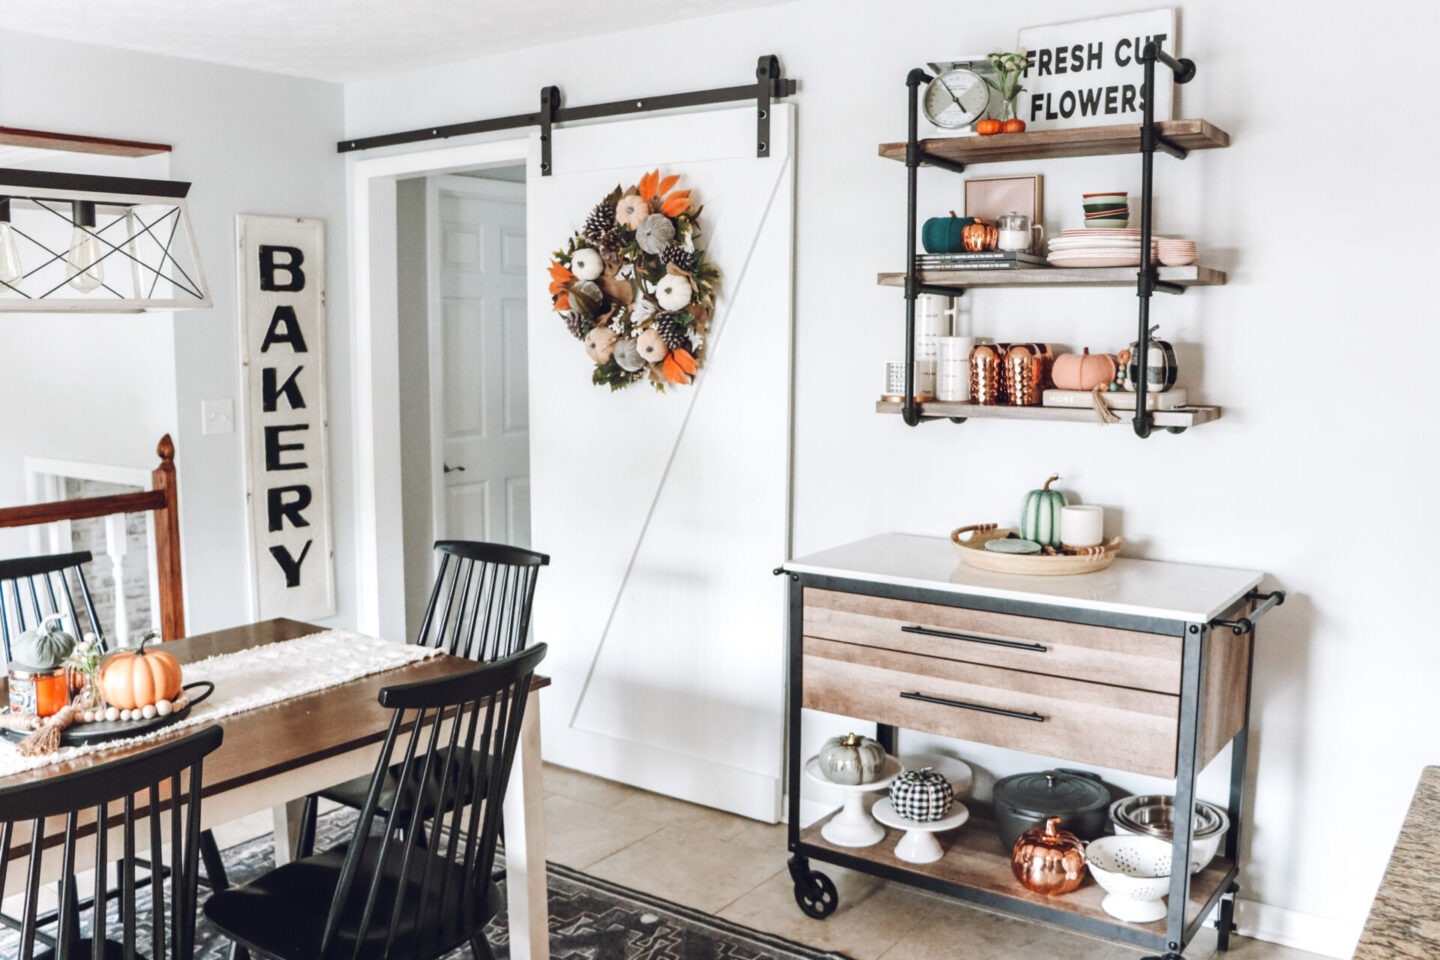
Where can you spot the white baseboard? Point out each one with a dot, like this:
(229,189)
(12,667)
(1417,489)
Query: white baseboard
(1300,931)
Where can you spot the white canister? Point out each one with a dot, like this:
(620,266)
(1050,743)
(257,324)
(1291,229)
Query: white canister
(1082,525)
(932,321)
(952,369)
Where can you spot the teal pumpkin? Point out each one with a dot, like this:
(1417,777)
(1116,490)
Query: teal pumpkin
(44,647)
(1040,515)
(943,234)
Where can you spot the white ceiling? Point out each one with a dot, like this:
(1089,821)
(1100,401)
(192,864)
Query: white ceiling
(341,40)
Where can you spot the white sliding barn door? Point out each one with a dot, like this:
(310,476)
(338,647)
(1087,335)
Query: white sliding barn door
(664,514)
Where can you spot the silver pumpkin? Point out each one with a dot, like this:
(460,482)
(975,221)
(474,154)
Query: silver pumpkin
(852,759)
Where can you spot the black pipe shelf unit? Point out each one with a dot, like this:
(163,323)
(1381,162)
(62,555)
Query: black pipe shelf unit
(955,154)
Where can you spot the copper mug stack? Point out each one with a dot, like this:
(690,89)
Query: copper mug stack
(1025,373)
(987,380)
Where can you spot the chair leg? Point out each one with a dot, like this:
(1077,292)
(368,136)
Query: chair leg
(309,817)
(215,875)
(238,952)
(480,947)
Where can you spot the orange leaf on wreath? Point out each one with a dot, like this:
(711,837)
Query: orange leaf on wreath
(557,286)
(562,302)
(668,183)
(648,184)
(673,371)
(558,272)
(683,360)
(676,204)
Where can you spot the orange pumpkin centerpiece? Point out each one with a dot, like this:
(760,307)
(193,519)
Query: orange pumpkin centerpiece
(134,680)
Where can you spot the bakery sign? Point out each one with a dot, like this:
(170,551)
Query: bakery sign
(282,356)
(1087,73)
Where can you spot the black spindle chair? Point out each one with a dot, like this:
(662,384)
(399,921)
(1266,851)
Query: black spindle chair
(33,588)
(479,609)
(385,895)
(153,800)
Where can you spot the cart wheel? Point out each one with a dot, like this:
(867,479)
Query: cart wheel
(816,895)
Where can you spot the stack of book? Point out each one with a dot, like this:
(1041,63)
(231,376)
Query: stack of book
(988,260)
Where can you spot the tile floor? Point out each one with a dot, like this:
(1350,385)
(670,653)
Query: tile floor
(735,868)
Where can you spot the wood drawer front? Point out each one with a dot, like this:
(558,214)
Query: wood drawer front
(1126,729)
(1124,658)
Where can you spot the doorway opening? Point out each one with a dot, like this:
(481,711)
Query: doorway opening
(464,397)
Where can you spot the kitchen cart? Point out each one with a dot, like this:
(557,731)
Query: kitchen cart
(1143,667)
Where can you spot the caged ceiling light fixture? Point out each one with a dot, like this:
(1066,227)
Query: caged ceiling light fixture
(76,242)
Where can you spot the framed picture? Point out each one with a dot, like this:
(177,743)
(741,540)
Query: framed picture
(992,197)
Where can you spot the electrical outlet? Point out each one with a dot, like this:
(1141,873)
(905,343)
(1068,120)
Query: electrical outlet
(218,416)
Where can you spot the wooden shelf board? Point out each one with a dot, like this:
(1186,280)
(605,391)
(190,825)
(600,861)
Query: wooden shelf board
(1191,276)
(974,858)
(1049,144)
(43,140)
(1190,416)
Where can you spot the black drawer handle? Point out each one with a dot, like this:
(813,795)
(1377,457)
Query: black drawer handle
(1012,644)
(1016,714)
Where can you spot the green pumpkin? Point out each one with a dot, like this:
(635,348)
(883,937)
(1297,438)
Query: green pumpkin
(1040,516)
(44,647)
(943,234)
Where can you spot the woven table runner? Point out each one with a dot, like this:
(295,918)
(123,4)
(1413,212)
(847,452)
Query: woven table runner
(256,677)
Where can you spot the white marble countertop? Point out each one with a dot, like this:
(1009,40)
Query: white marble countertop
(1146,588)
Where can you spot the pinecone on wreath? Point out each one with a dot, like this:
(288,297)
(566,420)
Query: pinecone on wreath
(577,325)
(672,330)
(678,255)
(610,242)
(600,221)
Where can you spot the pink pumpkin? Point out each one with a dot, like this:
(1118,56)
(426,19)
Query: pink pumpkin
(1083,371)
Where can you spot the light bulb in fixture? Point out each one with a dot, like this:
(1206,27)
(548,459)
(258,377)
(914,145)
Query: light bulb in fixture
(10,268)
(83,258)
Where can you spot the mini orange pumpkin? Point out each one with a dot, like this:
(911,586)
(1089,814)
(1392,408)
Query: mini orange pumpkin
(987,127)
(130,681)
(1083,371)
(980,235)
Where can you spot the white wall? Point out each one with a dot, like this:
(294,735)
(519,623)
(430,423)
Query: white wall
(1316,349)
(250,143)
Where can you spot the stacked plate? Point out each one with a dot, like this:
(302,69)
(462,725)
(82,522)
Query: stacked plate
(1098,247)
(1176,252)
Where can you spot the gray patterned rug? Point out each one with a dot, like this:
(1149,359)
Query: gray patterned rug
(590,919)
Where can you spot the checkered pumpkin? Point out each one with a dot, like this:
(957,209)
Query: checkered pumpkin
(921,795)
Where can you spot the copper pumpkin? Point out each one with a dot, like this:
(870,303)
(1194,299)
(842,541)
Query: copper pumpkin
(1049,861)
(980,236)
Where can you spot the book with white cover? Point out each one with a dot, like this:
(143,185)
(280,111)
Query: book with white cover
(1119,400)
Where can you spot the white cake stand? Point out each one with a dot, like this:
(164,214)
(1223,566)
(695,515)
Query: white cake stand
(919,845)
(852,826)
(958,772)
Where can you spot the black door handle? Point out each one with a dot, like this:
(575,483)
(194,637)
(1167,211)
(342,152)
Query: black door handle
(1012,644)
(1015,714)
(450,469)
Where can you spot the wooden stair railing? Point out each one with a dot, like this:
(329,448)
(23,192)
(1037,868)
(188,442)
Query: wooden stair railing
(163,499)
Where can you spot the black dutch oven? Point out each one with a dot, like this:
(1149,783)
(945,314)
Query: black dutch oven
(1024,801)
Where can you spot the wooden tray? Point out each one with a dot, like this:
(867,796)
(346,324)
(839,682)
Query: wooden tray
(103,730)
(973,553)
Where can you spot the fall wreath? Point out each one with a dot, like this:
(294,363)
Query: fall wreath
(635,288)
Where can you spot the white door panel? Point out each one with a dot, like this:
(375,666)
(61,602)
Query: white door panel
(479,370)
(664,514)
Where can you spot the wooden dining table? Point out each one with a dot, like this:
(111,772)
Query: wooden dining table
(274,756)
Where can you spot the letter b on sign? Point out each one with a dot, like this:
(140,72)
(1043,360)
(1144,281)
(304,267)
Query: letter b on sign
(271,264)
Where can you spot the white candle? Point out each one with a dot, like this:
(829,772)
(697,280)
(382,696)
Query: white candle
(1015,240)
(1082,526)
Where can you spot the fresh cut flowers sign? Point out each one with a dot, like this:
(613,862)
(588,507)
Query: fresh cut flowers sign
(1088,73)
